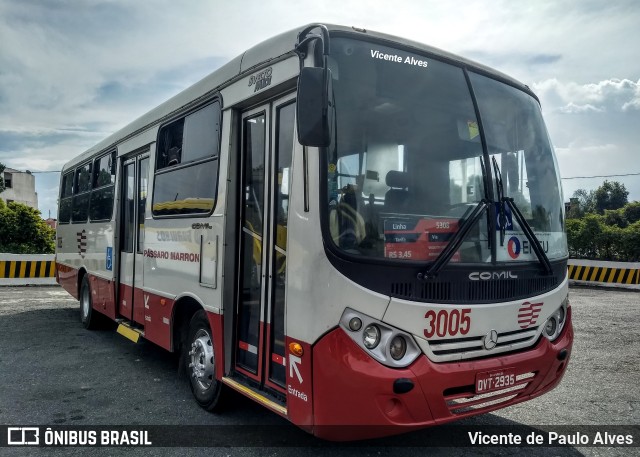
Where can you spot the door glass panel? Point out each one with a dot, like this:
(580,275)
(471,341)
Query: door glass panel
(251,245)
(249,331)
(128,210)
(254,139)
(283,150)
(143,185)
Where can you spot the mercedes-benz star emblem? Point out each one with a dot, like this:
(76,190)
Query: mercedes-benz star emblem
(490,340)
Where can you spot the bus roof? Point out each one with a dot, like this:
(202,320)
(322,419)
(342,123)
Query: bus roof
(267,51)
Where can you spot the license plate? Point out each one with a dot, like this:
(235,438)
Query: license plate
(490,381)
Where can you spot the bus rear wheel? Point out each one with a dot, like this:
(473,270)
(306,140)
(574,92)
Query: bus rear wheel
(199,360)
(88,318)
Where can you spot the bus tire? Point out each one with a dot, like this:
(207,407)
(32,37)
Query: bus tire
(88,318)
(199,361)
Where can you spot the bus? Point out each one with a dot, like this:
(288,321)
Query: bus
(360,232)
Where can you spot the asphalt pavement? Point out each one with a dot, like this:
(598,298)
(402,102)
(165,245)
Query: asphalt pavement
(54,372)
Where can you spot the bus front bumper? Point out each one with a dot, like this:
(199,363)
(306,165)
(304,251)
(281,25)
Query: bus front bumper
(353,395)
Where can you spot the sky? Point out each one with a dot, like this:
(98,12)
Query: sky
(74,71)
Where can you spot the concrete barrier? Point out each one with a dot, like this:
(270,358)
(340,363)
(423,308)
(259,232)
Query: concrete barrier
(37,269)
(27,269)
(598,272)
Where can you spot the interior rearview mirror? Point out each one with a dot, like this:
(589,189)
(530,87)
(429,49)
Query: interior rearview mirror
(314,109)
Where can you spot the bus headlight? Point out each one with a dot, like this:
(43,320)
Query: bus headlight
(555,323)
(398,347)
(371,336)
(551,326)
(388,345)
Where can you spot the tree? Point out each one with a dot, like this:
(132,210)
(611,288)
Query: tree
(610,195)
(2,167)
(632,242)
(632,212)
(582,203)
(615,217)
(22,230)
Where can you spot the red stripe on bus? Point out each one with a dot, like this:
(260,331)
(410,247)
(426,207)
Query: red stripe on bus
(278,359)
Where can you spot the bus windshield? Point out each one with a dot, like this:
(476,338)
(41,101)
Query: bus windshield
(406,164)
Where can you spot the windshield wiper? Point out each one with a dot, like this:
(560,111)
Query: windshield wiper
(457,239)
(503,218)
(524,225)
(528,231)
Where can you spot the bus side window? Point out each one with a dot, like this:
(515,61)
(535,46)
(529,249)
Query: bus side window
(66,192)
(102,194)
(187,164)
(81,193)
(170,150)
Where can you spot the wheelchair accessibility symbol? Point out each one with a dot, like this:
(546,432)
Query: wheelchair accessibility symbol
(109,262)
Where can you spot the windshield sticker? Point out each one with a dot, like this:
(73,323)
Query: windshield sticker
(409,60)
(508,217)
(518,247)
(418,238)
(473,129)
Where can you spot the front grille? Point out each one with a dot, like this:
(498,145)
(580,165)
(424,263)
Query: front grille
(473,291)
(464,402)
(473,347)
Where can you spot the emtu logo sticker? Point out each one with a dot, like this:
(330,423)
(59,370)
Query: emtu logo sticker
(513,247)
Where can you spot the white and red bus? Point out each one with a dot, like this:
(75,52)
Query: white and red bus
(350,228)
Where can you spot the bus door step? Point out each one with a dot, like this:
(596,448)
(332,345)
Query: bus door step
(260,396)
(125,329)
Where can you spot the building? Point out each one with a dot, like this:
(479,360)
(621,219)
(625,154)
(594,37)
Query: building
(20,187)
(53,223)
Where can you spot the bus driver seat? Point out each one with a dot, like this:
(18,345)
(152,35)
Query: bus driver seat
(396,198)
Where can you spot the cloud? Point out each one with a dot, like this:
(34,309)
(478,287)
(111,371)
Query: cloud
(74,71)
(611,95)
(572,108)
(590,160)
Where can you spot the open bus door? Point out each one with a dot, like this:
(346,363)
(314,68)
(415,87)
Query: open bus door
(267,145)
(134,183)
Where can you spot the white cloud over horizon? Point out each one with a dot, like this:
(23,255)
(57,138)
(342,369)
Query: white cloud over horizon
(72,72)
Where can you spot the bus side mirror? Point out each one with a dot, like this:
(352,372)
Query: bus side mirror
(314,107)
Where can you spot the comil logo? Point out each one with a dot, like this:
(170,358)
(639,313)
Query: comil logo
(487,275)
(513,247)
(23,436)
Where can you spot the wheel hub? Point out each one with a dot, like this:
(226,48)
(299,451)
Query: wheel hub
(202,360)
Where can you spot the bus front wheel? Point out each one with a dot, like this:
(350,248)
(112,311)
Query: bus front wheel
(199,361)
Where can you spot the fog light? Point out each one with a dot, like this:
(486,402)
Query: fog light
(398,347)
(355,324)
(371,336)
(551,326)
